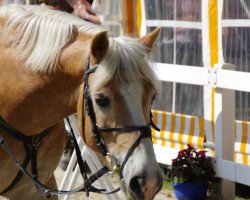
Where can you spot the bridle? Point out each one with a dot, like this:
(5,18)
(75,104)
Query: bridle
(145,131)
(32,143)
(31,146)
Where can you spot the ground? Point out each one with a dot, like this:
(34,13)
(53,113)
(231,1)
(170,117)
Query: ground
(164,194)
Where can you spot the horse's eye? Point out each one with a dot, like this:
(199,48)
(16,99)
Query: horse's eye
(102,101)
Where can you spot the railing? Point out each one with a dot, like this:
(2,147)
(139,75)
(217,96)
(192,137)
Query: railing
(223,81)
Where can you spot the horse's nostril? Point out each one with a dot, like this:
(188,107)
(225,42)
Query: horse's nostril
(136,184)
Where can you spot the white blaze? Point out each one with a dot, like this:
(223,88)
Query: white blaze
(132,94)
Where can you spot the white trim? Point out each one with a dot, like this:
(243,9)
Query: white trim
(233,171)
(233,80)
(206,63)
(174,23)
(182,74)
(220,78)
(236,23)
(205,34)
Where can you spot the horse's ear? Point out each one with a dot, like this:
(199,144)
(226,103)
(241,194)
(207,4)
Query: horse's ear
(149,39)
(99,47)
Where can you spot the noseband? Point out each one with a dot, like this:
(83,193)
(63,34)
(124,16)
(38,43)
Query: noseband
(145,131)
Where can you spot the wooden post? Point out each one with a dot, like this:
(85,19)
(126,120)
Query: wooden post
(224,130)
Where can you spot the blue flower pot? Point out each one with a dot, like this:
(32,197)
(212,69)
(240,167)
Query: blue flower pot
(190,191)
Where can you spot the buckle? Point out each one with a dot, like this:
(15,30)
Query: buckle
(35,142)
(112,164)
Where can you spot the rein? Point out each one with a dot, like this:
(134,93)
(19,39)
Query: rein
(31,144)
(145,131)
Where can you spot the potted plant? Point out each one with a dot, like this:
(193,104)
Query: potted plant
(190,173)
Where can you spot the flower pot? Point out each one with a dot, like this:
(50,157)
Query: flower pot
(190,191)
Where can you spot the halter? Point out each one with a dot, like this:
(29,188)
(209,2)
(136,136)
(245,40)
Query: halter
(145,131)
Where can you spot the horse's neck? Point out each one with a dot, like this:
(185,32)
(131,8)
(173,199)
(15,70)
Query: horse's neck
(31,102)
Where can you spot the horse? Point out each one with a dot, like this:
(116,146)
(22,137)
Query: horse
(45,55)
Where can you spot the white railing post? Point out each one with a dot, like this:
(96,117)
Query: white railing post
(224,113)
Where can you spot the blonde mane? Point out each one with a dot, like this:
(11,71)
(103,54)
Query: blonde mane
(128,60)
(41,33)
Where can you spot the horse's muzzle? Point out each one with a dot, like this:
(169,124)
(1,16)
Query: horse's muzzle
(145,186)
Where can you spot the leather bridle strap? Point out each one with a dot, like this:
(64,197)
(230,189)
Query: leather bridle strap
(31,144)
(42,189)
(145,131)
(91,112)
(18,176)
(87,181)
(143,134)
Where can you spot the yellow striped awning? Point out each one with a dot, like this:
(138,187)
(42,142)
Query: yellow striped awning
(178,130)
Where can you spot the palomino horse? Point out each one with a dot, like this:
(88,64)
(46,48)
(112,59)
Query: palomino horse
(42,64)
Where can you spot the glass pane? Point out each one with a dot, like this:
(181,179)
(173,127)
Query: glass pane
(164,100)
(189,99)
(188,47)
(236,50)
(179,46)
(188,10)
(236,47)
(160,9)
(242,101)
(236,9)
(165,45)
(183,10)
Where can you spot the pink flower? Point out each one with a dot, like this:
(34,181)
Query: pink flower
(201,154)
(191,155)
(182,152)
